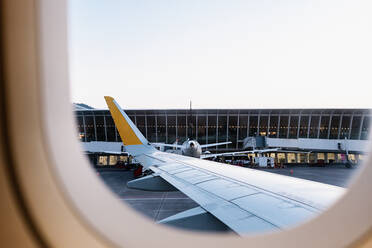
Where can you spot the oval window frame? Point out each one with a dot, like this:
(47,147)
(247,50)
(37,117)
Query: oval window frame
(41,121)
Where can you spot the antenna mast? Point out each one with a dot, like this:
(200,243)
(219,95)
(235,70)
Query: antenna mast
(191,124)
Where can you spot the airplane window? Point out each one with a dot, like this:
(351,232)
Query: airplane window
(241,117)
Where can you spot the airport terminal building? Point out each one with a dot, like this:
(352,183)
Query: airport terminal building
(327,133)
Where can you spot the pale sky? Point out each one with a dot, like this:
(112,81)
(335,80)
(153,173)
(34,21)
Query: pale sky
(221,54)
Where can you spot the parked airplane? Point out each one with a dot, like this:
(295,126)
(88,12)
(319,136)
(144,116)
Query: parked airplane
(244,200)
(190,147)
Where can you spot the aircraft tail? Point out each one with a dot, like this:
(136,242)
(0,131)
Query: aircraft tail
(131,137)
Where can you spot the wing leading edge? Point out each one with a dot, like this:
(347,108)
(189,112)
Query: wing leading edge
(245,200)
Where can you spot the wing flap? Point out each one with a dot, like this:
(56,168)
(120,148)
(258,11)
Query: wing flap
(195,219)
(278,211)
(227,190)
(194,176)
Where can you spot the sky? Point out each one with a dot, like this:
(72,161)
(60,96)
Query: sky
(221,54)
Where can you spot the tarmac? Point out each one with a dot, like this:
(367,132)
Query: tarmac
(160,205)
(155,205)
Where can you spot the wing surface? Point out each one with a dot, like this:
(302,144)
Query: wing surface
(246,200)
(215,144)
(167,145)
(213,155)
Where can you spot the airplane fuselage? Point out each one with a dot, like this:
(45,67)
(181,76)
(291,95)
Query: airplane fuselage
(191,148)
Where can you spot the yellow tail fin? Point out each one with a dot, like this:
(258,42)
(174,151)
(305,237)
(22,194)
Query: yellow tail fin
(129,133)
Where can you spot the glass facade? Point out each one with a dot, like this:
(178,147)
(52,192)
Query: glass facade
(181,128)
(171,129)
(210,126)
(356,127)
(293,127)
(212,129)
(151,128)
(283,128)
(273,126)
(335,123)
(161,128)
(141,124)
(365,127)
(243,126)
(233,131)
(222,128)
(314,126)
(345,127)
(100,127)
(110,128)
(201,130)
(263,127)
(253,126)
(304,126)
(323,129)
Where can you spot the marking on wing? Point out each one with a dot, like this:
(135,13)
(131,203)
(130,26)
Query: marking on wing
(278,211)
(194,176)
(226,189)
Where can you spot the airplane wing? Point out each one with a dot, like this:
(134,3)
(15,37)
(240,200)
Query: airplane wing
(166,145)
(244,200)
(113,152)
(215,144)
(213,155)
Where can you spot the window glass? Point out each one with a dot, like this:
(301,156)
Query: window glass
(291,158)
(283,129)
(335,123)
(345,127)
(243,126)
(212,128)
(161,129)
(172,129)
(314,126)
(202,129)
(101,136)
(253,125)
(263,125)
(90,128)
(141,124)
(191,126)
(365,128)
(222,128)
(102,160)
(293,127)
(110,127)
(355,127)
(151,128)
(80,127)
(324,125)
(233,128)
(181,130)
(304,126)
(273,128)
